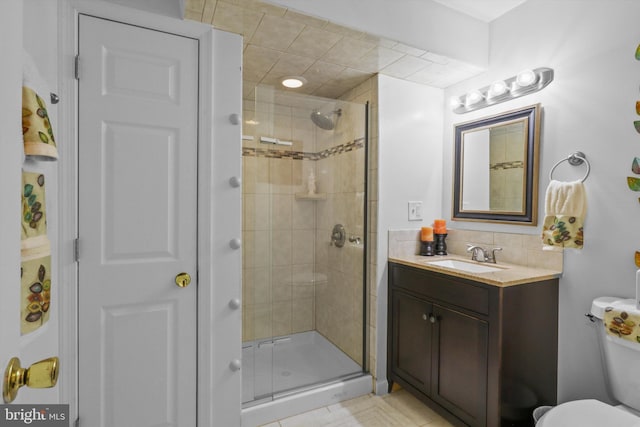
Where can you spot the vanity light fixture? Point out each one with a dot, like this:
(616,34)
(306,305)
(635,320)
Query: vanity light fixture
(526,82)
(293,82)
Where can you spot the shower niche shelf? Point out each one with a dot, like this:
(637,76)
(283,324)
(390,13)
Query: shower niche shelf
(307,196)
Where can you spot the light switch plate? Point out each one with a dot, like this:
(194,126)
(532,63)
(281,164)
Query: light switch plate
(415,211)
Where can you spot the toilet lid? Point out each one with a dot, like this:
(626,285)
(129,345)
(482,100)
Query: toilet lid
(587,413)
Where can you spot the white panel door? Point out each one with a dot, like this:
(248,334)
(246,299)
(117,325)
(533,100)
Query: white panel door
(137,143)
(43,342)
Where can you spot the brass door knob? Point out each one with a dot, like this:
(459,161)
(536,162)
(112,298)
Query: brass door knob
(42,374)
(183,280)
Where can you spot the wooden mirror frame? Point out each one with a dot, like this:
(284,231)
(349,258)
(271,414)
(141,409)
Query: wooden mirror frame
(528,216)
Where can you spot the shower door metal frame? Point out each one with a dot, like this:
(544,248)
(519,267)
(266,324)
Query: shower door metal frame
(365,255)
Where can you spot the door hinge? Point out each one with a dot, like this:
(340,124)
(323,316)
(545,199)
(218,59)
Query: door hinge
(76,67)
(76,250)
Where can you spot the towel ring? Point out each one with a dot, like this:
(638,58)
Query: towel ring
(575,159)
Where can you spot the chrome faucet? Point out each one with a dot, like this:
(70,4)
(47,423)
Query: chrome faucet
(477,253)
(481,254)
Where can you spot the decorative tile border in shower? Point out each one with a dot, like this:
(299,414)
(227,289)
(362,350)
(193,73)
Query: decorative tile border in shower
(342,148)
(301,155)
(278,154)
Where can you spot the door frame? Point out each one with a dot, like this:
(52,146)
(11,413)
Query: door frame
(219,159)
(11,152)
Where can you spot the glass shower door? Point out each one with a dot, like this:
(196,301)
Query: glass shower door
(303,173)
(257,230)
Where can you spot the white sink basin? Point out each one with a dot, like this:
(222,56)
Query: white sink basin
(464,266)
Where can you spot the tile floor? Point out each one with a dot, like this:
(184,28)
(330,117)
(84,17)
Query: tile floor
(397,409)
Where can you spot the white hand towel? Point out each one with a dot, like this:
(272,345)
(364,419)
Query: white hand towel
(565,210)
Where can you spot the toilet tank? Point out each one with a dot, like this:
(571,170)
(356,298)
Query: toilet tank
(619,336)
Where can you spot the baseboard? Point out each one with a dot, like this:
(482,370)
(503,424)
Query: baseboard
(381,387)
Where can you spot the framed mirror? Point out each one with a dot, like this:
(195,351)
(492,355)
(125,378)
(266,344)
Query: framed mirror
(495,175)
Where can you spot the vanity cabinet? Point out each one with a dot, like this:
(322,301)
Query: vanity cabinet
(479,354)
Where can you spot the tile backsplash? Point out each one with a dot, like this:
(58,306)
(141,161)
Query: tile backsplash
(520,249)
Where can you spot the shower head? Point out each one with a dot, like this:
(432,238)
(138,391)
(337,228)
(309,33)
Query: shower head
(324,121)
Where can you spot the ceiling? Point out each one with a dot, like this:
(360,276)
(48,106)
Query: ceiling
(484,10)
(280,42)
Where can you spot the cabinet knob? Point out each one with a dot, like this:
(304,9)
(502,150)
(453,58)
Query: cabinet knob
(234,119)
(432,318)
(235,182)
(235,365)
(424,316)
(234,303)
(235,243)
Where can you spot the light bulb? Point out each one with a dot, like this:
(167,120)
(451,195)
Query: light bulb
(526,78)
(473,98)
(455,102)
(496,89)
(293,82)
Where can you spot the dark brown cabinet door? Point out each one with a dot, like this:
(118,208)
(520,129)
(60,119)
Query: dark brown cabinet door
(459,377)
(411,357)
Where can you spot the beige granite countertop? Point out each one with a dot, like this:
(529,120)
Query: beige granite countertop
(509,274)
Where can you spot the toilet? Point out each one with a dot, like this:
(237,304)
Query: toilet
(620,344)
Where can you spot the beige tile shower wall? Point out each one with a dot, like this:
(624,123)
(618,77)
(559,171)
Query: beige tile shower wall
(339,300)
(521,249)
(278,231)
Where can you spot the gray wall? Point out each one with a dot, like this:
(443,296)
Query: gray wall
(588,107)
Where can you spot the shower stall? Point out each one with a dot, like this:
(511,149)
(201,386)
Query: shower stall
(304,228)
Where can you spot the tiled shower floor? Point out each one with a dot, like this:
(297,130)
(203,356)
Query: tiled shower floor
(289,362)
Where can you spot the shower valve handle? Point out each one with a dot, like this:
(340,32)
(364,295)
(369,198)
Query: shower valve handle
(338,235)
